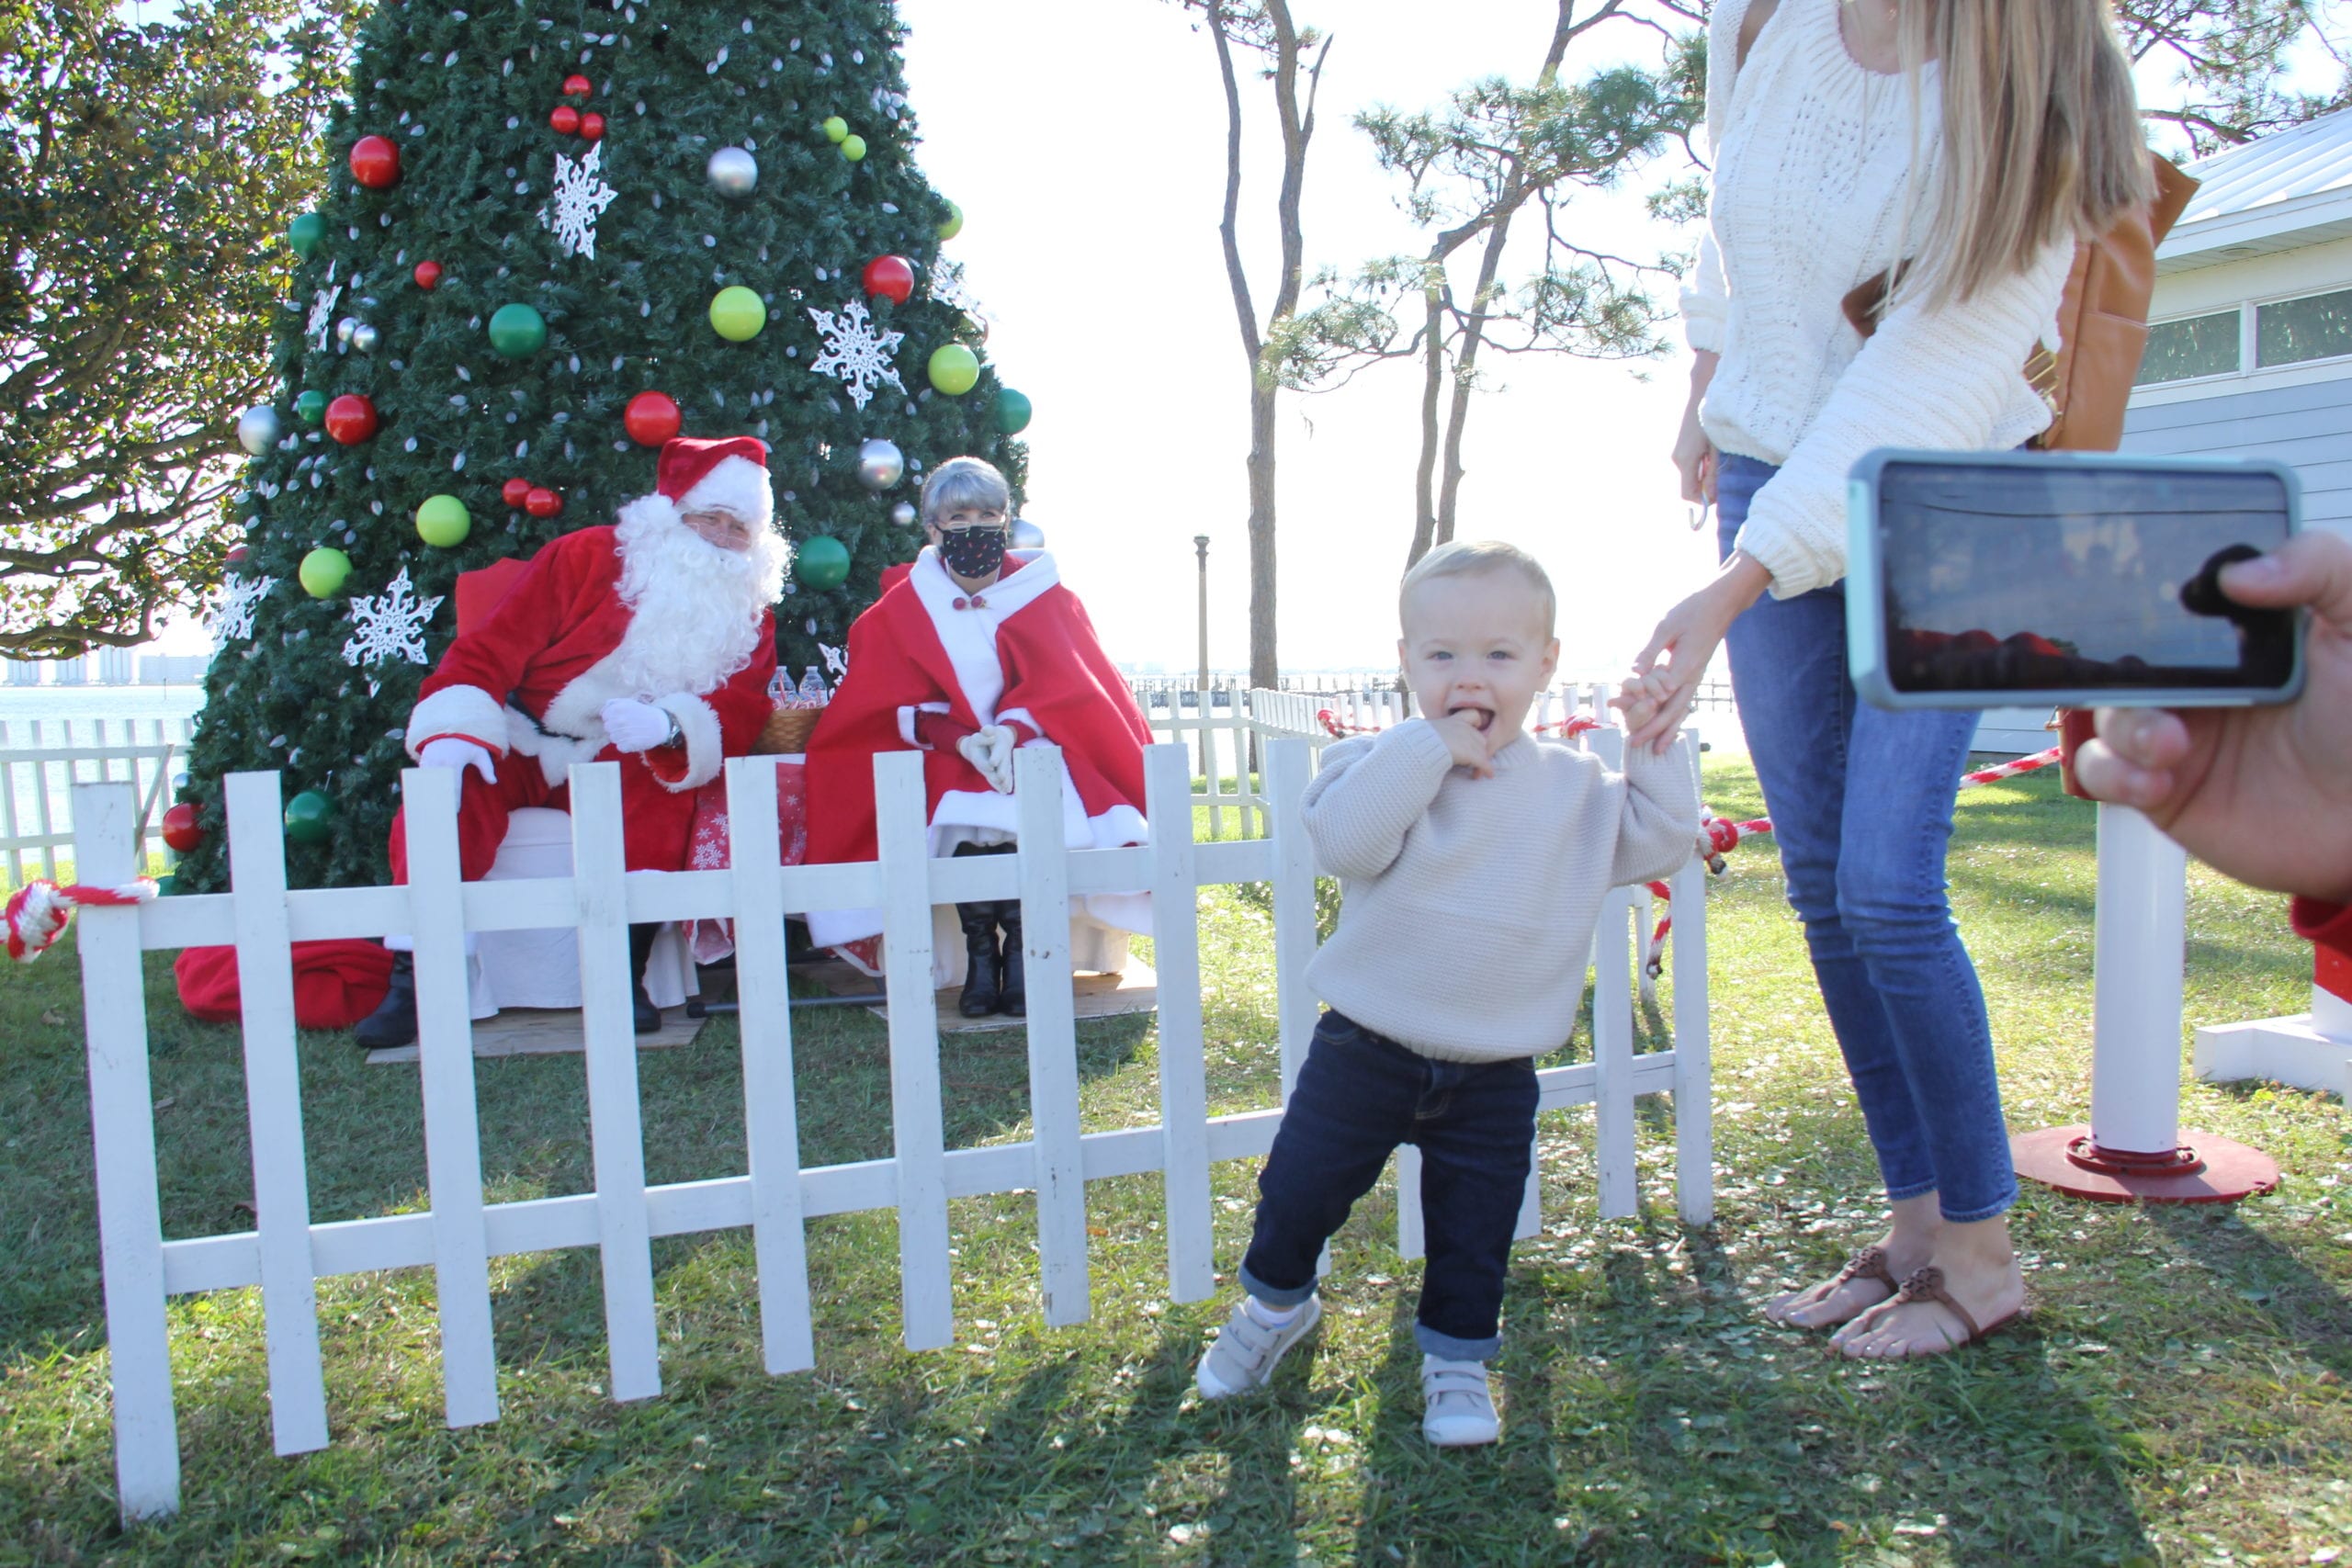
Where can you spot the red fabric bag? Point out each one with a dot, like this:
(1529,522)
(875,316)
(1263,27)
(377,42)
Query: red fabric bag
(336,984)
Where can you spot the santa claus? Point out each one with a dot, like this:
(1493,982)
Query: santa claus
(649,643)
(972,653)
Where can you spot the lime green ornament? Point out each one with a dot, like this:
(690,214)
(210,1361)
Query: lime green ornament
(444,522)
(306,233)
(1013,412)
(311,407)
(738,315)
(821,562)
(517,332)
(954,225)
(836,130)
(310,818)
(853,147)
(324,571)
(954,369)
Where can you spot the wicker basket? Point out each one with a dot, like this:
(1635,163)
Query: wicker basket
(787,731)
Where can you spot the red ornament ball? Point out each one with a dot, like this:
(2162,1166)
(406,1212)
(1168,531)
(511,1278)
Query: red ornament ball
(376,163)
(652,418)
(236,556)
(592,126)
(428,274)
(542,501)
(893,278)
(565,120)
(351,419)
(514,492)
(181,829)
(577,86)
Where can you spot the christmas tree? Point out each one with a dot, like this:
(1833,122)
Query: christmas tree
(556,233)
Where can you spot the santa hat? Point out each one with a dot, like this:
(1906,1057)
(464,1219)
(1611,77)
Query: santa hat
(728,475)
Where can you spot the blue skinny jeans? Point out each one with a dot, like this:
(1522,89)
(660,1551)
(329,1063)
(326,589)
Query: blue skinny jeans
(1861,806)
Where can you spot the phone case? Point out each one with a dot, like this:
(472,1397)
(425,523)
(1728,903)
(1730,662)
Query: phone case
(1865,625)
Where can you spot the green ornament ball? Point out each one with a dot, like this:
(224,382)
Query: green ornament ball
(517,332)
(954,369)
(853,147)
(306,233)
(311,407)
(738,315)
(836,130)
(1013,412)
(324,571)
(167,884)
(954,225)
(821,562)
(443,521)
(310,818)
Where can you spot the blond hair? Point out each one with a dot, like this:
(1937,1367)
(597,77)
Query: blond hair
(2041,137)
(1461,558)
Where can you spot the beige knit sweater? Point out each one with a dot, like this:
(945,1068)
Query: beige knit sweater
(1468,904)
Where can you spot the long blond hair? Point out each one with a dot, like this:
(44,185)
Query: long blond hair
(2042,134)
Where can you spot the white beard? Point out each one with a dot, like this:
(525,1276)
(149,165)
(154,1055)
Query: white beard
(695,607)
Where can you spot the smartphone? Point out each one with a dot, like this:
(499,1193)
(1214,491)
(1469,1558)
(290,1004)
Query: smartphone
(2071,579)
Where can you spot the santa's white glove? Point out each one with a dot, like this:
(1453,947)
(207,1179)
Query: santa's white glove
(458,754)
(636,725)
(990,751)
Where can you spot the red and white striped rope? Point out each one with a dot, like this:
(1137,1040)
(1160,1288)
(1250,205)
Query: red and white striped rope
(37,912)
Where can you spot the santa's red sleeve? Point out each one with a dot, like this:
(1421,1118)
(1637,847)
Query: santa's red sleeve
(720,723)
(465,696)
(2328,926)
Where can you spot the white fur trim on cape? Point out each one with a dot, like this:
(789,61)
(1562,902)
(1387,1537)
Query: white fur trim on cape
(734,484)
(969,634)
(698,723)
(465,711)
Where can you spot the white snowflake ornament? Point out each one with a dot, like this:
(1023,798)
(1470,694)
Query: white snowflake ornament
(836,662)
(387,625)
(322,303)
(581,197)
(233,619)
(854,352)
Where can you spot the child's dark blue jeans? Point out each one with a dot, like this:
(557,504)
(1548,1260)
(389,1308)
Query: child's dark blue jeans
(1359,1096)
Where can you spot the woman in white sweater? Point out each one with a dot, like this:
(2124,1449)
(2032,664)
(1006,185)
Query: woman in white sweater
(1973,141)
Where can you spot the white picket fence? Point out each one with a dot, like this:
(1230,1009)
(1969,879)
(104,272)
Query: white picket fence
(286,1253)
(40,760)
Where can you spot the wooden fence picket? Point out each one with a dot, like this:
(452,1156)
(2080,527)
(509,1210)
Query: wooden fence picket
(1184,1074)
(917,1120)
(1052,1027)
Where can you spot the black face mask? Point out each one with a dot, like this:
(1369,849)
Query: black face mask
(972,552)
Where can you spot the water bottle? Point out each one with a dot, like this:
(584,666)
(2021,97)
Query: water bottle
(780,692)
(813,692)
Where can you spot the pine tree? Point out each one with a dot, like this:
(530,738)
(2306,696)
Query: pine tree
(547,224)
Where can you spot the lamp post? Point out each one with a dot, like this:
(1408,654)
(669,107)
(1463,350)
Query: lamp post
(1200,548)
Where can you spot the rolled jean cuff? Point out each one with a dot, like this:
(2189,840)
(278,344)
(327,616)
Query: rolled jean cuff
(1445,1347)
(1991,1211)
(1910,1190)
(1275,1296)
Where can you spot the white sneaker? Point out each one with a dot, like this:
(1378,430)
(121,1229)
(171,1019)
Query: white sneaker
(1459,1408)
(1242,1356)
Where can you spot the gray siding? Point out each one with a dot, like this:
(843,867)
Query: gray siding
(2308,427)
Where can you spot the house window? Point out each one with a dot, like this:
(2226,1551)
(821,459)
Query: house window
(2317,326)
(2194,346)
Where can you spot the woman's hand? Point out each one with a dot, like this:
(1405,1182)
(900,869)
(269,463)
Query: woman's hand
(1695,458)
(1667,672)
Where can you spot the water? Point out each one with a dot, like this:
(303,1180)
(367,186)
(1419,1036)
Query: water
(51,719)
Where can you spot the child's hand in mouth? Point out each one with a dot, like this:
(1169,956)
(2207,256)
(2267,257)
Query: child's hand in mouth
(1464,729)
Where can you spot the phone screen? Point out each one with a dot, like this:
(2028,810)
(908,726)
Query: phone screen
(2059,577)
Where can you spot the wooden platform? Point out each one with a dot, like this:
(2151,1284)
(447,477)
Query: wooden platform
(543,1032)
(1134,989)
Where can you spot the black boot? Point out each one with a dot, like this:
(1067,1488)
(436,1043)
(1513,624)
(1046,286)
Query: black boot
(641,948)
(983,967)
(395,1021)
(1012,997)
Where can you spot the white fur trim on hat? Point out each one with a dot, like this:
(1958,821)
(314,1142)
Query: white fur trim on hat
(735,485)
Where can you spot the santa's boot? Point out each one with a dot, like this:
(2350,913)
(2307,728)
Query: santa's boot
(983,967)
(1012,996)
(641,948)
(395,1021)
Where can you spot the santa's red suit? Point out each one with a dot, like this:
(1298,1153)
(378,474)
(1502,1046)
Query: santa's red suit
(643,609)
(1019,652)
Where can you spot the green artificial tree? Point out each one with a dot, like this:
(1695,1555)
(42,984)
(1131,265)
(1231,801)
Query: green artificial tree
(555,233)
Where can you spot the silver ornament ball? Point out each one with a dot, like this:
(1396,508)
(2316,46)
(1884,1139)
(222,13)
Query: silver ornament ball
(364,338)
(1023,535)
(345,328)
(258,429)
(903,514)
(880,464)
(734,171)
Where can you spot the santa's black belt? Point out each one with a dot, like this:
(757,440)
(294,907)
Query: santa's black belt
(515,702)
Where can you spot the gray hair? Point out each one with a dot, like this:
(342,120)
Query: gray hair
(964,483)
(1460,557)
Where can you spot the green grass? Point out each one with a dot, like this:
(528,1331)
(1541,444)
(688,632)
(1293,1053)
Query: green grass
(2178,1397)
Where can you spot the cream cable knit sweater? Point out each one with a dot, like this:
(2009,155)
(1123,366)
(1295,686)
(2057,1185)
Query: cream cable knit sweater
(1468,903)
(1813,156)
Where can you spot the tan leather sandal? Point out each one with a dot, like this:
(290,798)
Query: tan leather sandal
(1870,1263)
